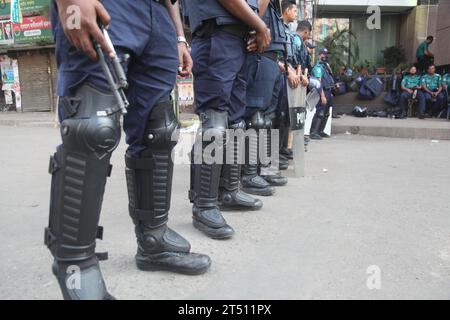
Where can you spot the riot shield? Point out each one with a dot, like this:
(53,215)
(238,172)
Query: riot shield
(297,114)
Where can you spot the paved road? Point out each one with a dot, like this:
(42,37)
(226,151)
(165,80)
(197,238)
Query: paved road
(383,202)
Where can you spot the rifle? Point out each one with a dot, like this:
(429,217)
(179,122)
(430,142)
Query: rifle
(114,73)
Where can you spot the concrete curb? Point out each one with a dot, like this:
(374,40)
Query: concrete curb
(395,132)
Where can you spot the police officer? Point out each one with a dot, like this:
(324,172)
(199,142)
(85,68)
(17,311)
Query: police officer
(446,86)
(301,37)
(219,29)
(90,130)
(423,54)
(433,91)
(301,63)
(411,87)
(322,72)
(263,82)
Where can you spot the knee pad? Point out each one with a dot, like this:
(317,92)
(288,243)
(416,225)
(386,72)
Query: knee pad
(88,127)
(238,126)
(256,122)
(214,128)
(214,121)
(161,126)
(269,120)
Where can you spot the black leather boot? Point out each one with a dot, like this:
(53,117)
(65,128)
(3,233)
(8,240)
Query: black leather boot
(315,128)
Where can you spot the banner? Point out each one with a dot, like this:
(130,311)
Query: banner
(33,30)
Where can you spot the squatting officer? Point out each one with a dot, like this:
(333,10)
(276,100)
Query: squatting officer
(90,129)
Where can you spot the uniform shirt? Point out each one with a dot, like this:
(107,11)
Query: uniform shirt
(446,79)
(422,49)
(432,82)
(411,82)
(320,72)
(301,51)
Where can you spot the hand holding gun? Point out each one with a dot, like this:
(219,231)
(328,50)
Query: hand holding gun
(114,73)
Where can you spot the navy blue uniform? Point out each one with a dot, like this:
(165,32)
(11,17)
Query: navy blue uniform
(218,51)
(90,132)
(262,71)
(146,32)
(322,71)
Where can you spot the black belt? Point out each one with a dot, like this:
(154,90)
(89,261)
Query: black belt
(237,30)
(272,55)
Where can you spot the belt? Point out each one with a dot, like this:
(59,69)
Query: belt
(237,30)
(272,55)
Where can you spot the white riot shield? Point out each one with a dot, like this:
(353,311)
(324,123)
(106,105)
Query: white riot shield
(297,113)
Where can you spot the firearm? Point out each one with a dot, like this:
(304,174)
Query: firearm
(114,73)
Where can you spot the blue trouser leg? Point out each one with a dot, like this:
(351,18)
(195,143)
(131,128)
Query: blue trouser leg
(219,81)
(403,100)
(262,76)
(434,106)
(421,102)
(322,109)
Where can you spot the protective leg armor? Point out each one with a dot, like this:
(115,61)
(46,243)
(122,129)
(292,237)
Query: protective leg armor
(230,195)
(79,171)
(252,182)
(205,177)
(149,181)
(270,172)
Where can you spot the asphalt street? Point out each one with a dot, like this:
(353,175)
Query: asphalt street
(366,203)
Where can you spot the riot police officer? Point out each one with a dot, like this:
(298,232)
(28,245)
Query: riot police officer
(296,62)
(90,130)
(322,72)
(263,83)
(219,29)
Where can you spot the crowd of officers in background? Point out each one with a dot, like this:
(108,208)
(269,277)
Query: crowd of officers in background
(423,85)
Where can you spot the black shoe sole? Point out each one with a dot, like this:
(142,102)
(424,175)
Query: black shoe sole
(274,184)
(211,232)
(149,267)
(225,207)
(259,192)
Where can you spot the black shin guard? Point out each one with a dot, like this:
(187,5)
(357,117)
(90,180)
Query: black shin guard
(271,171)
(205,177)
(252,182)
(230,194)
(79,171)
(149,181)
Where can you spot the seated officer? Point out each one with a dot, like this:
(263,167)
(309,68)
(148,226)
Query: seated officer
(411,88)
(433,91)
(446,85)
